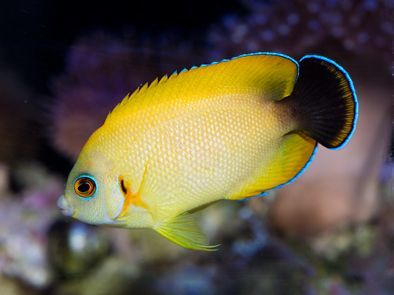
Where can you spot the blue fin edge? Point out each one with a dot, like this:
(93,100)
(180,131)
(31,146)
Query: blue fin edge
(260,195)
(350,82)
(291,180)
(251,54)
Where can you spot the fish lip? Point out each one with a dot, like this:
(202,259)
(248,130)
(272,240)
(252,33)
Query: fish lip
(63,205)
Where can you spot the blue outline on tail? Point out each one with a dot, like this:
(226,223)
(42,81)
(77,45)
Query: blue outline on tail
(350,82)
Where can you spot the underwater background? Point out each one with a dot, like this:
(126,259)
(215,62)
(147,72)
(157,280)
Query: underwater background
(65,64)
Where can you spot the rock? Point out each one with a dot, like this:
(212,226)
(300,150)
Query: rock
(113,276)
(75,248)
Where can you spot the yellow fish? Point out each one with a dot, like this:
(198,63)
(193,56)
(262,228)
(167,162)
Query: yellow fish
(228,130)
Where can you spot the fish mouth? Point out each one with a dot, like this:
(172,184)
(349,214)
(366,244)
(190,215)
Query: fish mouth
(64,206)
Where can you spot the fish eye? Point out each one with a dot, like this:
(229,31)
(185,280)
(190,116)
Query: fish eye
(85,187)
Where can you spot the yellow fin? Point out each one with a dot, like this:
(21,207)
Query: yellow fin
(272,76)
(184,231)
(292,158)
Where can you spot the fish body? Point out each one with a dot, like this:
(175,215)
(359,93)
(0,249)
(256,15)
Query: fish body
(228,130)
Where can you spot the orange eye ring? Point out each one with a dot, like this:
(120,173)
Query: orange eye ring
(85,187)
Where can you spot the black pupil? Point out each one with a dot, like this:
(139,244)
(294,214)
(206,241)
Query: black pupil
(84,187)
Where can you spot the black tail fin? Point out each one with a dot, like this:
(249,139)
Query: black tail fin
(324,101)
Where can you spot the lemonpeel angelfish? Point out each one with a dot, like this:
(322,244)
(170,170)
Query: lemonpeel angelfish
(228,130)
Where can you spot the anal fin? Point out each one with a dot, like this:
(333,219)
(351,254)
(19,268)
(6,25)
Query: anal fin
(289,161)
(184,231)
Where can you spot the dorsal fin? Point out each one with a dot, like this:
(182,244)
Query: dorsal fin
(270,75)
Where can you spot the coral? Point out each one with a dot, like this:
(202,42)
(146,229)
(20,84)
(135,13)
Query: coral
(294,27)
(75,247)
(187,279)
(22,224)
(114,276)
(35,246)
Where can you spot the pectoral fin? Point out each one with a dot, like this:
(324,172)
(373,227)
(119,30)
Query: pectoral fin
(184,231)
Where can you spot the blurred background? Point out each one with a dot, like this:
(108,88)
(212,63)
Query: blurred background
(65,64)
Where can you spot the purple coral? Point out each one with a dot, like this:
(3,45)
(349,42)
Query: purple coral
(360,27)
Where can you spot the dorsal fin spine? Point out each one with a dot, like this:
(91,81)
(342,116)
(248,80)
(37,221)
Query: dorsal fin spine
(140,90)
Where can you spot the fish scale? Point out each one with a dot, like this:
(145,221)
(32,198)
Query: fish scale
(205,160)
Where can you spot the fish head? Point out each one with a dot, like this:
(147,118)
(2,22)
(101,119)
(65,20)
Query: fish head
(92,192)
